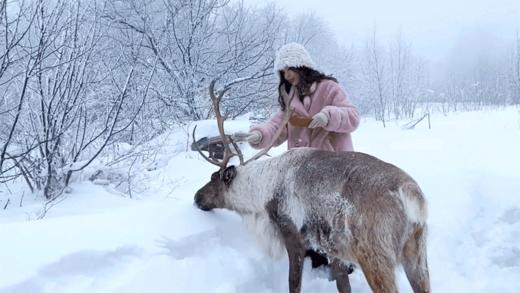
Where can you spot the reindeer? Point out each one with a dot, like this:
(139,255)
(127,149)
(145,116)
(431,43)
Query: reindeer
(352,206)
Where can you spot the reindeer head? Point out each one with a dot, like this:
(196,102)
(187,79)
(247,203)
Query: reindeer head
(212,195)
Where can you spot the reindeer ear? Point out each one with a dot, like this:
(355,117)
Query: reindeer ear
(229,174)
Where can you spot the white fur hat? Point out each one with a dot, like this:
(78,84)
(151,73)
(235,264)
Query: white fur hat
(292,55)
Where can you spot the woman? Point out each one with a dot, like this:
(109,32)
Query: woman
(315,96)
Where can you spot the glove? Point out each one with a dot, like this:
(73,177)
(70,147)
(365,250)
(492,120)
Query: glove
(319,120)
(253,137)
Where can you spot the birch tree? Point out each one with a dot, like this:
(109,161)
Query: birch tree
(15,72)
(515,71)
(376,77)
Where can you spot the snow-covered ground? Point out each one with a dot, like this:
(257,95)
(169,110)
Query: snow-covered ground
(97,239)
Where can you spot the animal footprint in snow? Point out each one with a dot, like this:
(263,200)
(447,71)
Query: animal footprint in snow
(511,216)
(193,245)
(506,257)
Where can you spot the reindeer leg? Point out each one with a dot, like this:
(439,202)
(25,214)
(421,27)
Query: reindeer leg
(293,243)
(340,273)
(378,270)
(415,262)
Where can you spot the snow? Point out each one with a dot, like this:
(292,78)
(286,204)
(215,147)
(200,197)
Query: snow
(97,239)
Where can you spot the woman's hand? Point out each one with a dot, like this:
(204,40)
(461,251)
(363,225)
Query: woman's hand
(319,120)
(253,137)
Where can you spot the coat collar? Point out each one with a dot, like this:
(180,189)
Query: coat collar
(296,103)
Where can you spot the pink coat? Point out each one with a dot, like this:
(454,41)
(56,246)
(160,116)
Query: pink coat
(328,97)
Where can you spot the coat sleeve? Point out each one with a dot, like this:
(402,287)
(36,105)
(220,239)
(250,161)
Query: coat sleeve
(343,116)
(268,129)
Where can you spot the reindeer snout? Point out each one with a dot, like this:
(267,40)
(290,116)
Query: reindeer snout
(199,202)
(197,199)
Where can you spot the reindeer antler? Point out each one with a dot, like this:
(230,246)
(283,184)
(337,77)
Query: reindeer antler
(227,140)
(228,154)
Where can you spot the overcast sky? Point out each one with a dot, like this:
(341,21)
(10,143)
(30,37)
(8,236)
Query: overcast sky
(432,26)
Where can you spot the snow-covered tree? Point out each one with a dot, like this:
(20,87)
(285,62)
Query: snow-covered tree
(195,42)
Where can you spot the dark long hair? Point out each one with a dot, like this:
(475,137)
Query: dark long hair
(307,77)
